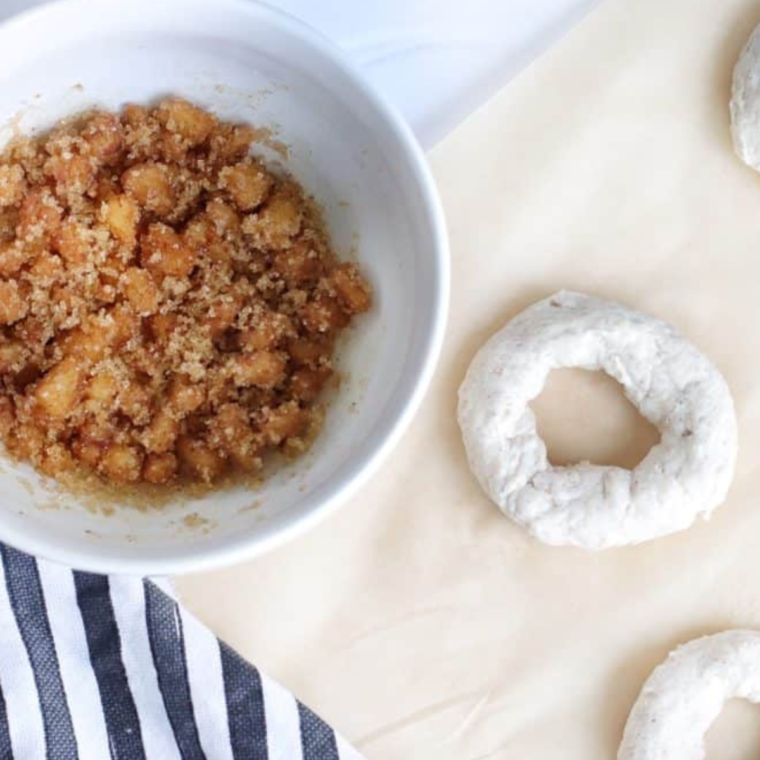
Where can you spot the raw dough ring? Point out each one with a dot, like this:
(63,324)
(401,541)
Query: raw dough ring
(745,103)
(685,694)
(668,380)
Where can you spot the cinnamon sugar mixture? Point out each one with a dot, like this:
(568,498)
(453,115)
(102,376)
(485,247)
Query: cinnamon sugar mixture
(168,306)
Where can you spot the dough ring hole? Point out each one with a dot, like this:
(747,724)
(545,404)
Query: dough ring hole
(735,734)
(584,416)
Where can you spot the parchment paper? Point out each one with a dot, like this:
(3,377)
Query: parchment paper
(420,621)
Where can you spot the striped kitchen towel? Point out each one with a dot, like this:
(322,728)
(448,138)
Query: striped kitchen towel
(94,666)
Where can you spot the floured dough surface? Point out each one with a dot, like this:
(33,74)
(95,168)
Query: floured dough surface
(745,103)
(686,693)
(664,376)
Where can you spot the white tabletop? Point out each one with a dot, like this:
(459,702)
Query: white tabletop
(438,60)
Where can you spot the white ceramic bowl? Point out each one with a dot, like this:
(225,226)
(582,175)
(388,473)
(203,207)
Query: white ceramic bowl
(247,62)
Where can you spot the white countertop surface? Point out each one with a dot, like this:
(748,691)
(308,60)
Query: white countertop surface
(438,60)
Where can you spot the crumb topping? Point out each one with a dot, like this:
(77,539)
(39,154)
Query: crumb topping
(168,305)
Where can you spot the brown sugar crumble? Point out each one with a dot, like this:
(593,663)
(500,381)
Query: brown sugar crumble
(168,306)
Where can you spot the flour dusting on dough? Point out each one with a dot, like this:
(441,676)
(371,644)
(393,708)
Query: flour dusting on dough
(687,692)
(665,377)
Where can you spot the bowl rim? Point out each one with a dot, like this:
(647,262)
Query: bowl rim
(106,558)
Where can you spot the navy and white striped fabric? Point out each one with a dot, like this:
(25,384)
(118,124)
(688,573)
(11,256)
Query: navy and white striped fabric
(95,667)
